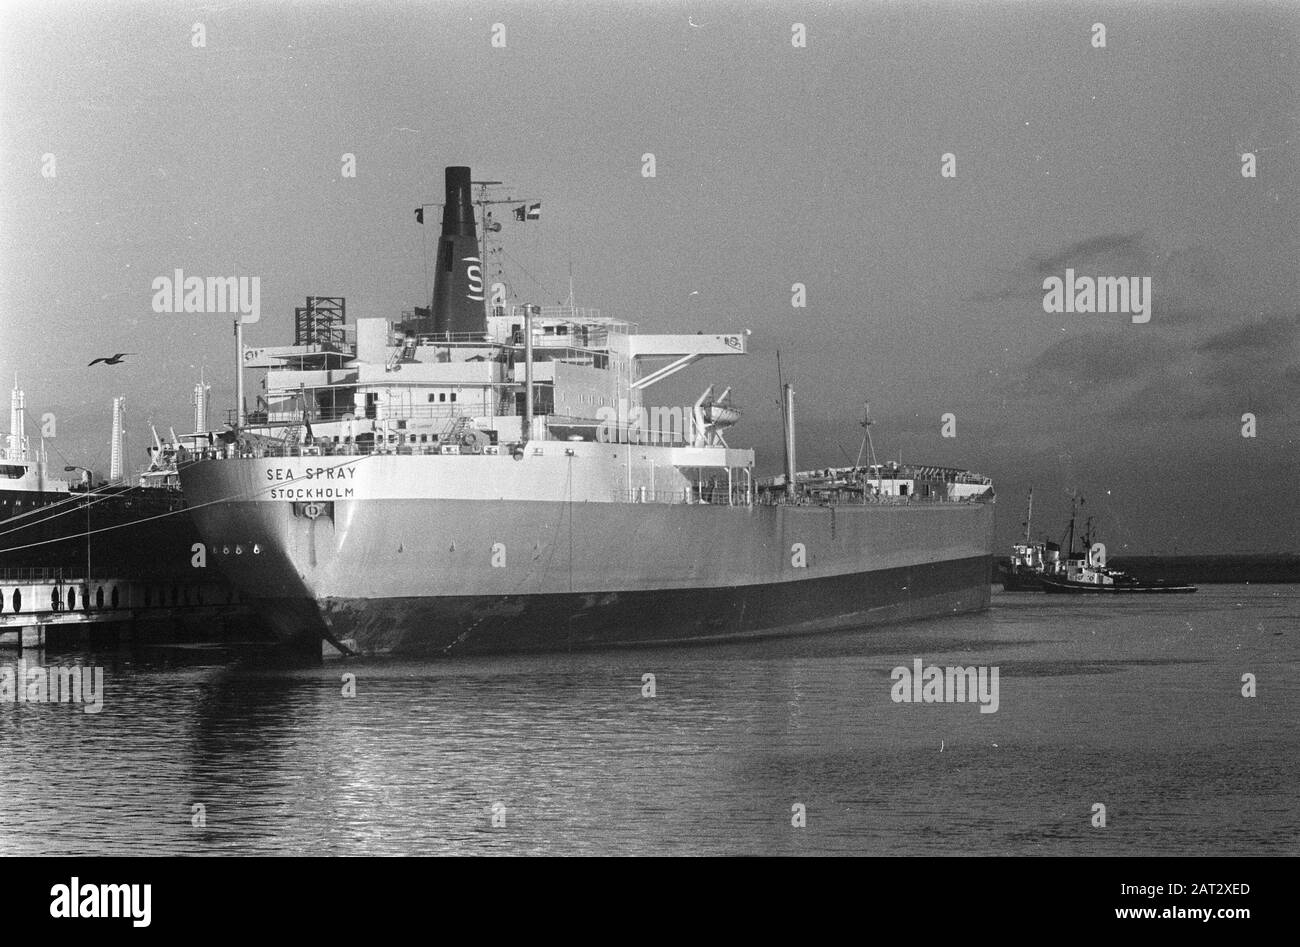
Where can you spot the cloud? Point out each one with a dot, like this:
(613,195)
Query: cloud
(1099,360)
(1275,334)
(1140,379)
(1189,286)
(1124,249)
(1114,254)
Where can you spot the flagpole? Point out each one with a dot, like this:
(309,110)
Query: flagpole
(424,246)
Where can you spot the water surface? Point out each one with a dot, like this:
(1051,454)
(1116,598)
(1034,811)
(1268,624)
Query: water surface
(1133,703)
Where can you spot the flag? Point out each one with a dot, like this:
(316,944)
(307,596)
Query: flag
(528,212)
(419,215)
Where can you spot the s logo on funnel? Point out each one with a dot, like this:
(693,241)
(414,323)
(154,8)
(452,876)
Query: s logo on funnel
(474,274)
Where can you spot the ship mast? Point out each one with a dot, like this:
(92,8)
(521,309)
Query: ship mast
(17,420)
(119,435)
(785,401)
(867,442)
(1029,518)
(1075,504)
(483,202)
(239,373)
(488,223)
(528,373)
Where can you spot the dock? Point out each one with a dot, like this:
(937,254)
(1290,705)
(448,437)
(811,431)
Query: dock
(40,607)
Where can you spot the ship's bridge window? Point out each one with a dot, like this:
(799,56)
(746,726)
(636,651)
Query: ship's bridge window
(442,396)
(433,398)
(453,396)
(12,471)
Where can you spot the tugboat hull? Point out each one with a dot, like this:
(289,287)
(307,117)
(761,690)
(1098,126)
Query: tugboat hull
(1022,581)
(1064,586)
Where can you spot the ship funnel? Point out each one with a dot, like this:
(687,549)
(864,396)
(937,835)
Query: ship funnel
(458,287)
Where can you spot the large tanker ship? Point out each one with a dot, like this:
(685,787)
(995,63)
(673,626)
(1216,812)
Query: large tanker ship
(487,477)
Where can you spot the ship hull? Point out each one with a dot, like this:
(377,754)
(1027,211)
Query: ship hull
(1022,581)
(436,575)
(131,533)
(1066,587)
(489,624)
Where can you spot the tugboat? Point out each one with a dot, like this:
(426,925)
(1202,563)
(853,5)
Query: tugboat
(1030,560)
(1085,578)
(1087,573)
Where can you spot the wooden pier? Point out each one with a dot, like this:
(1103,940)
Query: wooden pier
(40,607)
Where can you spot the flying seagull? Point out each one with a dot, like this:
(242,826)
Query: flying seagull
(115,360)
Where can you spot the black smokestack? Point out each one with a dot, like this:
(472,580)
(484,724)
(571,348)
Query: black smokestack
(458,274)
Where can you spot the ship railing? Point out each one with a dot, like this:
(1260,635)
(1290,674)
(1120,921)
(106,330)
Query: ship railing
(692,495)
(329,449)
(436,412)
(295,417)
(291,450)
(567,313)
(453,338)
(768,495)
(720,495)
(36,575)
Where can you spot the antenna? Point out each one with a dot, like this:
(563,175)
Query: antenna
(785,420)
(1030,518)
(780,387)
(867,443)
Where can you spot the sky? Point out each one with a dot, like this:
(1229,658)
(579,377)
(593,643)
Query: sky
(775,164)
